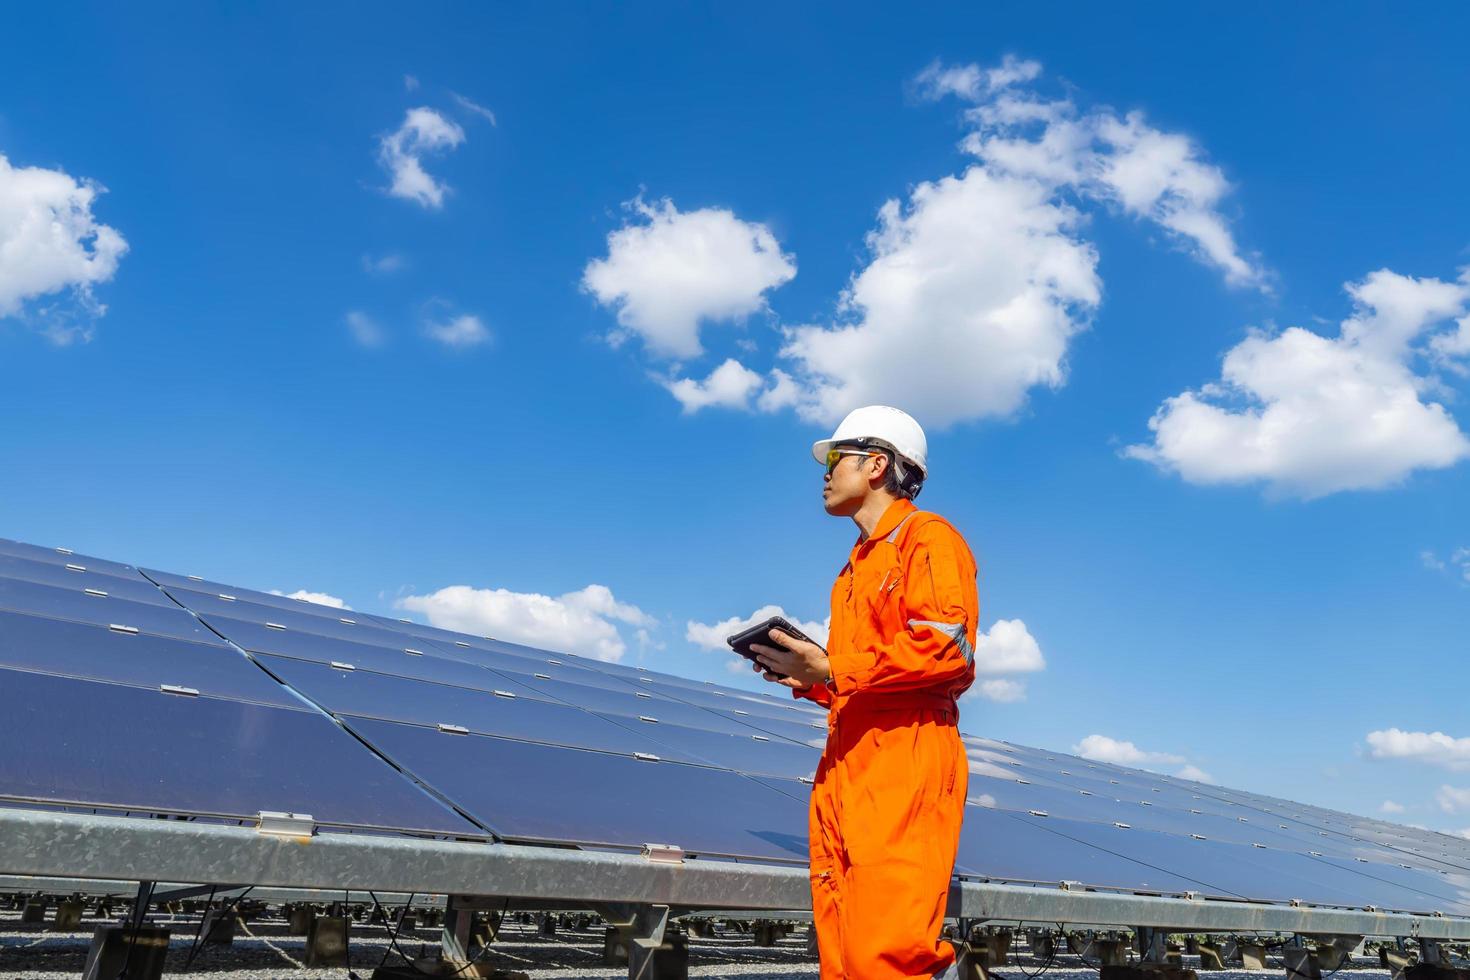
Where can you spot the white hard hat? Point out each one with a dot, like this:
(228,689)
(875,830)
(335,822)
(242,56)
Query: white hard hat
(882,424)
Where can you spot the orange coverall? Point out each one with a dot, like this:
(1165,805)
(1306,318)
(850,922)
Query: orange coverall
(890,790)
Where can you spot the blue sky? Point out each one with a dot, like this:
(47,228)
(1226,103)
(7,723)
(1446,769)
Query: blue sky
(382,301)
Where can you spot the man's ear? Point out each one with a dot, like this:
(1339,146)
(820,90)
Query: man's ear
(880,469)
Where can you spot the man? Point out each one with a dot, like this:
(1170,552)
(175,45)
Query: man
(890,790)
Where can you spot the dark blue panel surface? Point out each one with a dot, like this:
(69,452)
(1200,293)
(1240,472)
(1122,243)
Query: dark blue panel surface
(1244,871)
(525,791)
(62,556)
(193,583)
(345,626)
(398,661)
(83,650)
(81,742)
(80,607)
(631,704)
(998,846)
(372,695)
(754,755)
(134,587)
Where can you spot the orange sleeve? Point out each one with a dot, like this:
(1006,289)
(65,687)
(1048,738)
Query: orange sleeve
(820,693)
(941,609)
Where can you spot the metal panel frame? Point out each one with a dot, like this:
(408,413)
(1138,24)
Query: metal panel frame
(75,845)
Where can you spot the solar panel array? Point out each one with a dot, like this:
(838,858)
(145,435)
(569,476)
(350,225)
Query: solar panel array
(148,692)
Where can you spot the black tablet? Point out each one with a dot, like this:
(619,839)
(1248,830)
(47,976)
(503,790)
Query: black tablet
(761,633)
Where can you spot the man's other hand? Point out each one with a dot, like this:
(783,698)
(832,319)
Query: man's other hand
(803,662)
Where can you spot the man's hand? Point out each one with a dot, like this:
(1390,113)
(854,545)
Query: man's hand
(803,662)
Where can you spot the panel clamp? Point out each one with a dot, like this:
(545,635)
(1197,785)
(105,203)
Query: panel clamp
(664,853)
(286,824)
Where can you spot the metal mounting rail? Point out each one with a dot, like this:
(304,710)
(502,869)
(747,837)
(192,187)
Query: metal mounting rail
(71,845)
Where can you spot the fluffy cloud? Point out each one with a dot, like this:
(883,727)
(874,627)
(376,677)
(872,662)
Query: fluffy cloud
(667,271)
(50,242)
(1195,773)
(975,288)
(1456,563)
(458,332)
(471,106)
(401,153)
(1434,748)
(1309,415)
(582,622)
(1389,806)
(1006,648)
(382,265)
(320,598)
(711,636)
(999,689)
(365,330)
(1101,748)
(977,283)
(1453,799)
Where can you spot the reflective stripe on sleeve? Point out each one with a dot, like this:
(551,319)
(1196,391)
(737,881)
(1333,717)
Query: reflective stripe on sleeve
(955,631)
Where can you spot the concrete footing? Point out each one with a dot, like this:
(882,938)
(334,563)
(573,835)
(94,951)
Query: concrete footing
(68,916)
(116,948)
(298,920)
(33,912)
(326,941)
(767,933)
(1301,963)
(669,961)
(218,928)
(1210,956)
(1252,957)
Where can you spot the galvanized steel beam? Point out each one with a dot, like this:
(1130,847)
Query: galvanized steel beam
(57,844)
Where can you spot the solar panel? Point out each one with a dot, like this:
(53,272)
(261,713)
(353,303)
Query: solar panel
(102,609)
(530,792)
(84,743)
(93,652)
(65,556)
(195,698)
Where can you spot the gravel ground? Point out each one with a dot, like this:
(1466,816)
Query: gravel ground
(262,950)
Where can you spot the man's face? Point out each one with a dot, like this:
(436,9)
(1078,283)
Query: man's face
(847,484)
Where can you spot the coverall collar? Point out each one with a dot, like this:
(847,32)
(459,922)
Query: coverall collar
(891,518)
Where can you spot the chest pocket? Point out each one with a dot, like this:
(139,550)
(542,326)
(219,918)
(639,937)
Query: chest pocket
(878,591)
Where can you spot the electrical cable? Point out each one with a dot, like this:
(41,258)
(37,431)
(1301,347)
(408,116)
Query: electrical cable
(199,936)
(227,907)
(393,941)
(146,899)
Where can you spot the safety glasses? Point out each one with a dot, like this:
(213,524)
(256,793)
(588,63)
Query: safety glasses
(834,456)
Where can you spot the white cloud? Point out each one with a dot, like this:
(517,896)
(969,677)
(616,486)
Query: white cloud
(1453,799)
(1101,748)
(1389,806)
(1008,648)
(730,385)
(423,132)
(1431,561)
(667,271)
(459,332)
(999,689)
(382,265)
(1433,748)
(50,242)
(971,82)
(365,330)
(975,289)
(711,636)
(1148,173)
(1195,773)
(582,622)
(410,83)
(320,598)
(1309,415)
(470,105)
